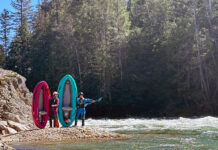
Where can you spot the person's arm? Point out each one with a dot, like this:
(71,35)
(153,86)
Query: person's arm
(89,100)
(77,101)
(56,105)
(57,102)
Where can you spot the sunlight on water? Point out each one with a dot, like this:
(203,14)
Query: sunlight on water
(152,134)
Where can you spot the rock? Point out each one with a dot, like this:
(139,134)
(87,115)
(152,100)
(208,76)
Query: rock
(1,145)
(3,132)
(13,117)
(10,130)
(3,125)
(17,126)
(3,102)
(6,147)
(15,101)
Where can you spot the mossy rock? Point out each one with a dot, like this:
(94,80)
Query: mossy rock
(11,75)
(4,79)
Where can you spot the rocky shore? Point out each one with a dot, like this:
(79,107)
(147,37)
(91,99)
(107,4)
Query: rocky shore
(57,135)
(53,135)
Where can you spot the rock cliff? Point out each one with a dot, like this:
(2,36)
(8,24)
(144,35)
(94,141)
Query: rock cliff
(15,103)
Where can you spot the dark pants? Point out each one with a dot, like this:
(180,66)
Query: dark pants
(52,119)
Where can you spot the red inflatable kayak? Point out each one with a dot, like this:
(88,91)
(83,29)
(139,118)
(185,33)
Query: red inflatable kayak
(40,104)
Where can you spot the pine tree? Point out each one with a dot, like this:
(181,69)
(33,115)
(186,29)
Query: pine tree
(23,11)
(18,56)
(5,28)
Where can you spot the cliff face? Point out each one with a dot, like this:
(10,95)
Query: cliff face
(15,103)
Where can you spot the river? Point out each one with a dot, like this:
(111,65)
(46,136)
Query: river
(150,134)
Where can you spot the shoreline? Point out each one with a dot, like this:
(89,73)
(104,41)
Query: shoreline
(60,135)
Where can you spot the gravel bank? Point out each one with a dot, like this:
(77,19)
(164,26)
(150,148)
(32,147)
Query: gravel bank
(50,135)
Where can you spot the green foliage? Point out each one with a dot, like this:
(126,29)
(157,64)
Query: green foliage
(165,45)
(2,56)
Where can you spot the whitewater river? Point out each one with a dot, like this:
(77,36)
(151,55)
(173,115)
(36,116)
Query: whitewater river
(151,134)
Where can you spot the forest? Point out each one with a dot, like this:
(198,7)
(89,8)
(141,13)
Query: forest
(147,58)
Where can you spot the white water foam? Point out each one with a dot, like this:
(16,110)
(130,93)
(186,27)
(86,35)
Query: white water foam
(181,123)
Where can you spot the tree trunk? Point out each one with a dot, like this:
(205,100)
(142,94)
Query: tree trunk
(202,78)
(79,67)
(57,9)
(118,46)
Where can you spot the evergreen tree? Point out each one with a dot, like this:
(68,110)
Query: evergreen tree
(23,12)
(5,27)
(19,54)
(19,58)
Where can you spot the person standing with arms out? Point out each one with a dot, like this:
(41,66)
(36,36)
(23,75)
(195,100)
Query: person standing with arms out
(53,109)
(81,104)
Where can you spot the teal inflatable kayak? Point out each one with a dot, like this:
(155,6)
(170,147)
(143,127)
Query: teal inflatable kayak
(67,90)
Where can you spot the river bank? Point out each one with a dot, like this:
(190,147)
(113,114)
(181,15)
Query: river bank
(53,135)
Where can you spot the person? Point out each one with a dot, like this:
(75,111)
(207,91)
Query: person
(81,104)
(53,109)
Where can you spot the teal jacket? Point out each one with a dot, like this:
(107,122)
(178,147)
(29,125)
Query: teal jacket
(82,104)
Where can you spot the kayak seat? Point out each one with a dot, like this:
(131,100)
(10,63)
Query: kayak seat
(42,113)
(67,108)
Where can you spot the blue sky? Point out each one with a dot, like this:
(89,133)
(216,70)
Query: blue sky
(7,4)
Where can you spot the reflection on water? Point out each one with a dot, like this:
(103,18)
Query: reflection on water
(152,134)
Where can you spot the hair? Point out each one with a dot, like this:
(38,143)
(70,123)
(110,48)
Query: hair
(55,92)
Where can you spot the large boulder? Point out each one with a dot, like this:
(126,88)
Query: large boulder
(15,103)
(6,129)
(10,130)
(3,126)
(13,117)
(17,126)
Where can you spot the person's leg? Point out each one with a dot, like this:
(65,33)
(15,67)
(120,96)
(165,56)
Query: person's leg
(50,121)
(83,117)
(77,116)
(56,122)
